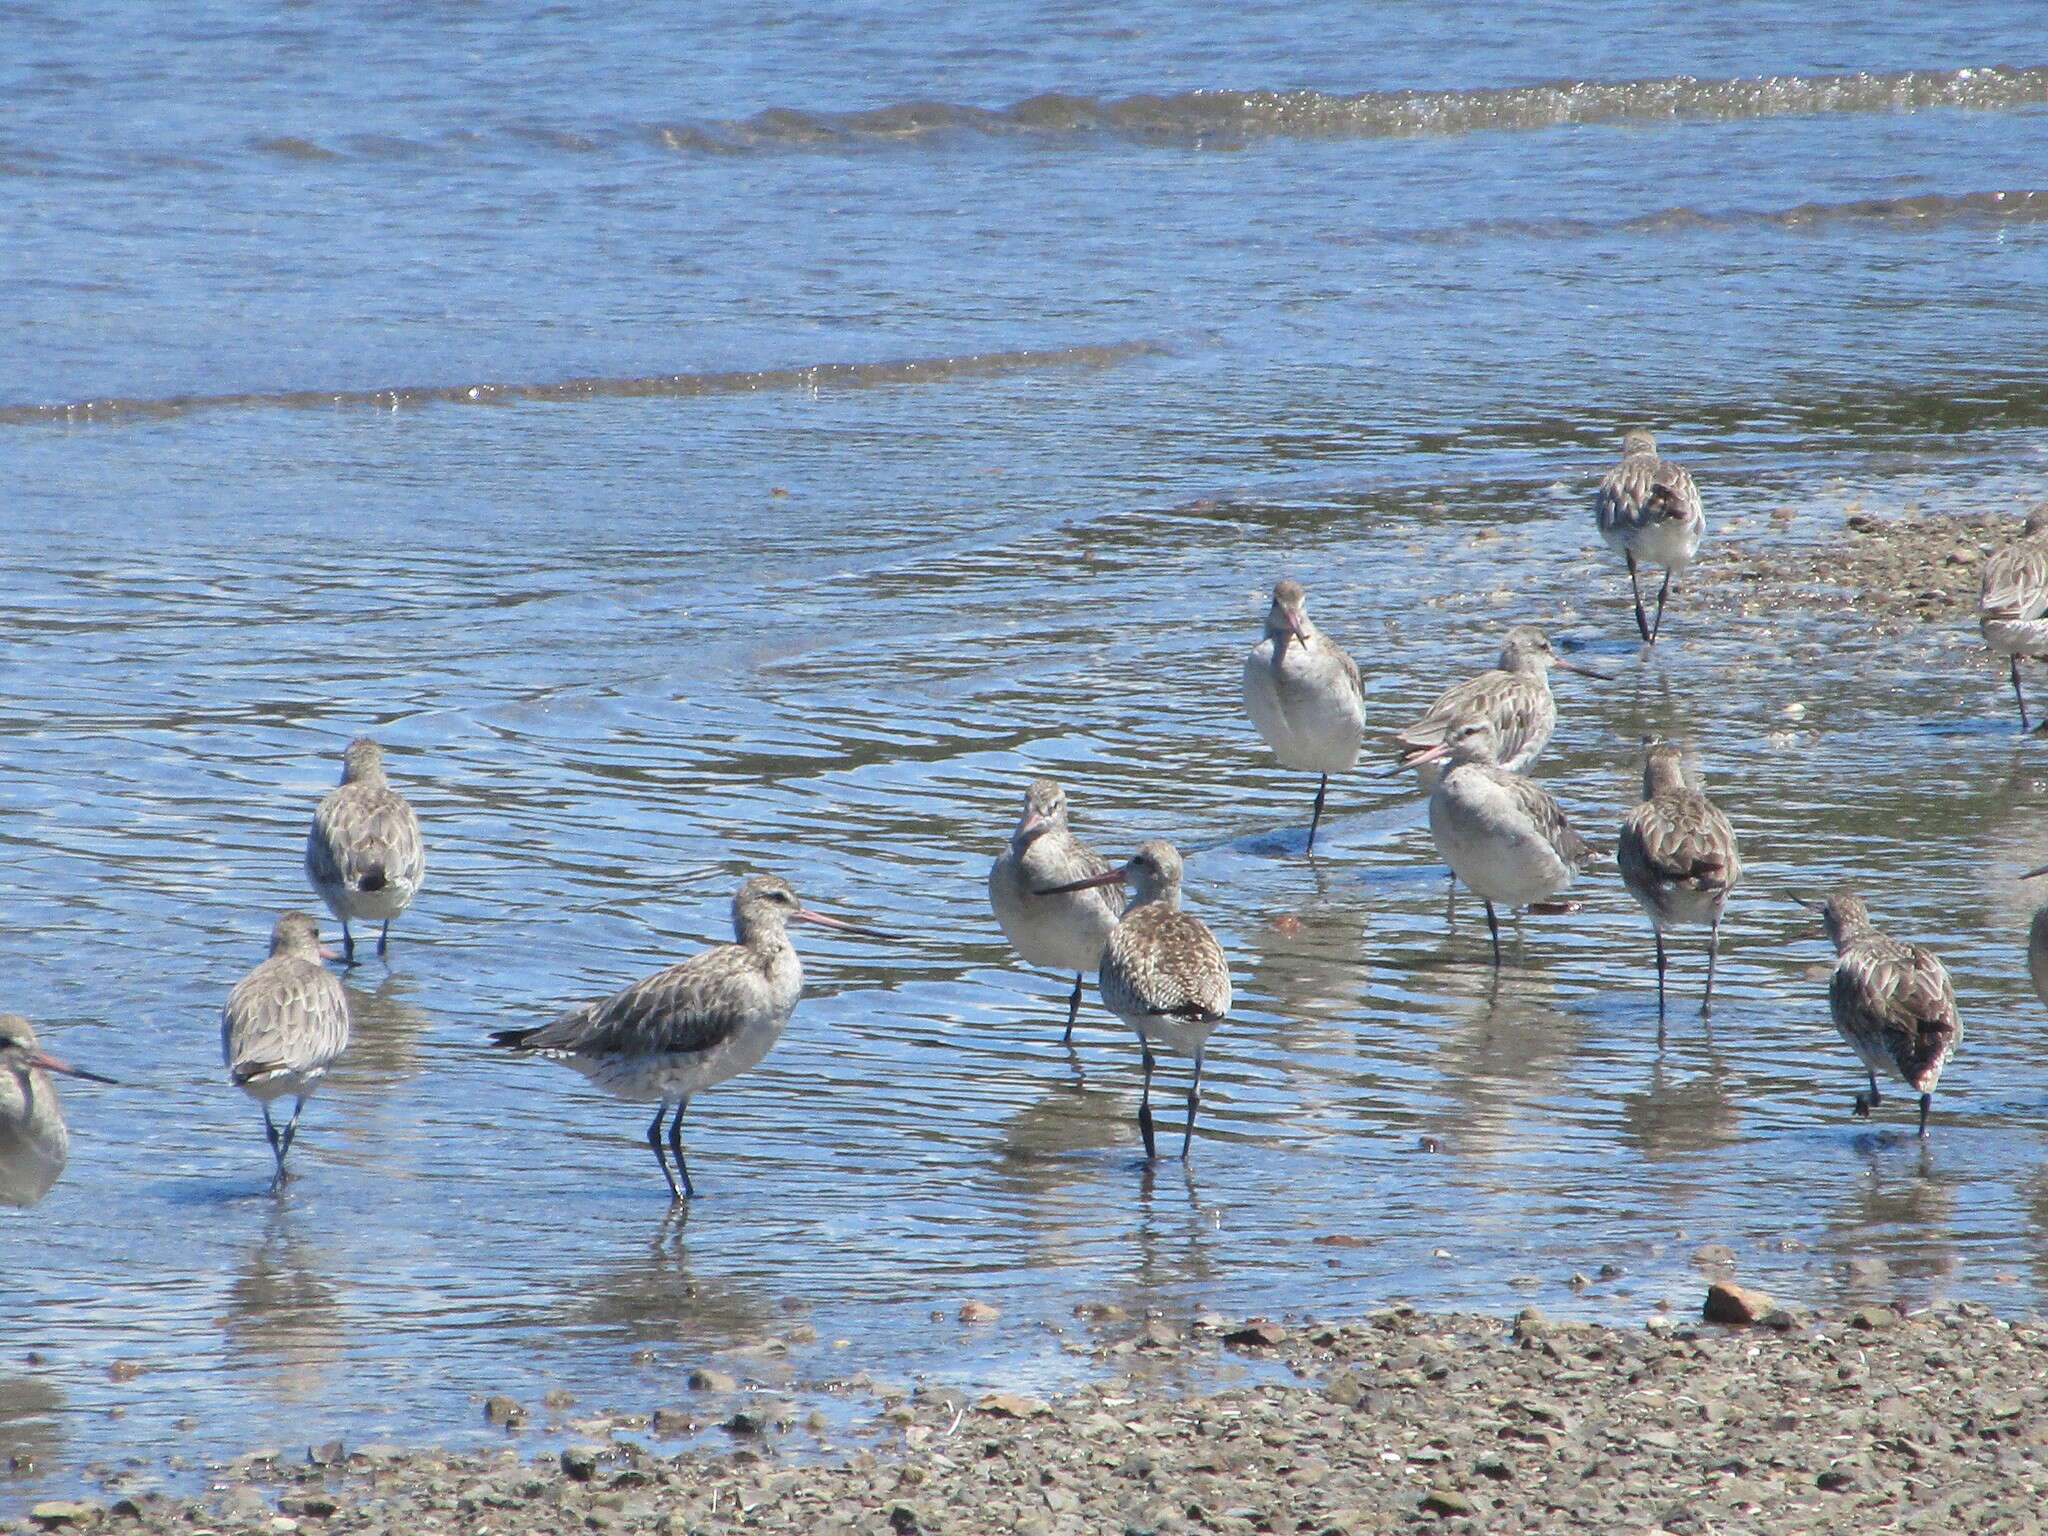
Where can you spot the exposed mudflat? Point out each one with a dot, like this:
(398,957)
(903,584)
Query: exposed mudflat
(1872,1420)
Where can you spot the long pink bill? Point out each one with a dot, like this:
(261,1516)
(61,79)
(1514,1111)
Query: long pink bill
(51,1064)
(819,919)
(1582,669)
(1116,876)
(1423,755)
(2035,874)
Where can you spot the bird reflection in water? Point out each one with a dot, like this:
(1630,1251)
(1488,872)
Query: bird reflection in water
(283,1313)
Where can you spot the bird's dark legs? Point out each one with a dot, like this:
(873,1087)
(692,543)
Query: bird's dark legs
(1316,818)
(1073,1011)
(675,1145)
(2019,694)
(1926,1104)
(1658,935)
(1451,901)
(1713,951)
(1866,1102)
(1636,587)
(654,1141)
(1663,592)
(383,938)
(1194,1099)
(1145,1103)
(1493,928)
(276,1142)
(348,944)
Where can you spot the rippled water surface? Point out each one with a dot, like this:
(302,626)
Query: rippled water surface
(766,445)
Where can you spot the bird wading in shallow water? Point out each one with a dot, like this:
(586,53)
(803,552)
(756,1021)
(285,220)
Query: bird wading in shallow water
(1163,973)
(1649,512)
(1892,1001)
(35,1144)
(1304,695)
(1065,931)
(284,1024)
(2012,600)
(1514,698)
(1678,859)
(1505,836)
(363,853)
(667,1038)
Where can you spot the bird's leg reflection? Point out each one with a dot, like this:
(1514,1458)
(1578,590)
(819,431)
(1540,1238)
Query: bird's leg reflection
(1145,1102)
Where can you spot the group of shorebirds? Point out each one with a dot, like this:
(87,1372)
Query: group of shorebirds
(1160,970)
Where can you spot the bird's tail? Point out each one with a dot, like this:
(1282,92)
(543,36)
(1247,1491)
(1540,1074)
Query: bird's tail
(373,879)
(512,1039)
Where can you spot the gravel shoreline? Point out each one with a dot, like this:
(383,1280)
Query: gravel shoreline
(1873,1420)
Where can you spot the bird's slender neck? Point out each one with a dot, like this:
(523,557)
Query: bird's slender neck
(1149,893)
(370,774)
(761,928)
(1661,772)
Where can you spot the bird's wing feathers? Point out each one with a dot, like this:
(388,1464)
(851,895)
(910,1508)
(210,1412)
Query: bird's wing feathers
(286,1015)
(686,1008)
(2015,583)
(1901,994)
(1681,839)
(362,833)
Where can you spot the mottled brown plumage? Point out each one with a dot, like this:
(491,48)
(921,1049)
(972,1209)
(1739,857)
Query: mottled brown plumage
(1163,973)
(1892,1001)
(1514,698)
(1678,858)
(2012,600)
(363,851)
(1648,509)
(283,1025)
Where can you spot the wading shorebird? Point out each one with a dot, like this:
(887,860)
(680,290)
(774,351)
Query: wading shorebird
(285,1023)
(34,1142)
(363,853)
(2037,943)
(1892,1001)
(668,1037)
(1649,510)
(1063,932)
(1678,859)
(1304,695)
(2012,601)
(1514,698)
(1505,836)
(1163,973)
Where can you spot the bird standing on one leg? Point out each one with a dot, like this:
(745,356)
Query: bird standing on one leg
(284,1024)
(1649,510)
(1678,859)
(1303,693)
(363,852)
(1063,932)
(2012,601)
(1892,1001)
(1163,973)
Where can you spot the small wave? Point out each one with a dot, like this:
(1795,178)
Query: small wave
(1925,210)
(1230,117)
(923,370)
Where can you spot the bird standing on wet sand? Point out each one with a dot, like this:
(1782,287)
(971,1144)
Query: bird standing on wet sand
(1892,1001)
(363,853)
(1678,859)
(2012,600)
(1304,695)
(1505,836)
(34,1142)
(667,1038)
(1649,510)
(1514,698)
(1163,973)
(284,1024)
(1064,932)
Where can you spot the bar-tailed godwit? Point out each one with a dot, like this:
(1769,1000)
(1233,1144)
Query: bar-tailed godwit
(1678,859)
(2012,600)
(363,853)
(1649,510)
(667,1038)
(1303,693)
(1163,973)
(284,1024)
(1514,698)
(34,1142)
(1505,836)
(1892,1001)
(1063,932)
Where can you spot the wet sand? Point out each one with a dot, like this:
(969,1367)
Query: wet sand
(1869,1420)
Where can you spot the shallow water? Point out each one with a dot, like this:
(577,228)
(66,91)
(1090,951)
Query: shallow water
(762,595)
